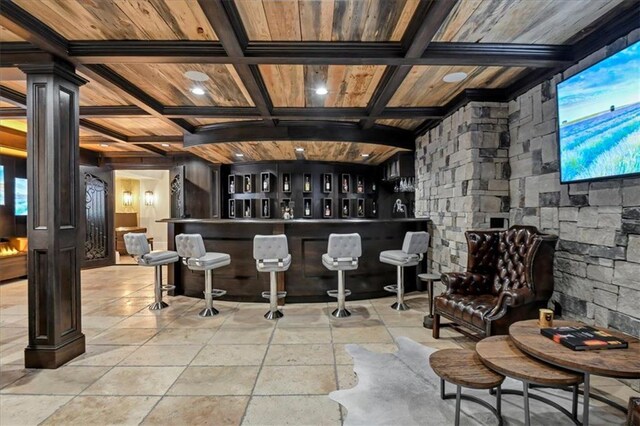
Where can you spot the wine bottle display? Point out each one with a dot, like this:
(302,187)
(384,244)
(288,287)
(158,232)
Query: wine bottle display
(327,183)
(286,184)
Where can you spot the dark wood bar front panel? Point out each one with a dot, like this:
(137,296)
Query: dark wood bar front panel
(307,280)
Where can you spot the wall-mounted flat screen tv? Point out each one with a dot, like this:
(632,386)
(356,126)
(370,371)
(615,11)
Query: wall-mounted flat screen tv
(21,197)
(599,119)
(1,185)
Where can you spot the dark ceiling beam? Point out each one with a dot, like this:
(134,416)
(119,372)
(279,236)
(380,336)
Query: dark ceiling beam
(224,17)
(12,96)
(428,18)
(302,131)
(110,111)
(26,26)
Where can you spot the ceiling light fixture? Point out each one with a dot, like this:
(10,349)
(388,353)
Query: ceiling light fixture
(239,155)
(299,149)
(104,144)
(454,77)
(165,145)
(196,76)
(197,91)
(321,91)
(364,155)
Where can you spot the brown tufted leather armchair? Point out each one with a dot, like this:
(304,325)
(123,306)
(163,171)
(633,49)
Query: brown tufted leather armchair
(509,277)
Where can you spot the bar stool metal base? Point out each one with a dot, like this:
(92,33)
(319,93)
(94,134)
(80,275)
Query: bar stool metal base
(400,306)
(341,313)
(273,315)
(156,306)
(208,312)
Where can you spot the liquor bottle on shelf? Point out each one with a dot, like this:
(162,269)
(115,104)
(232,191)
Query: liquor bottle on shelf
(285,184)
(247,211)
(265,183)
(345,210)
(327,183)
(345,184)
(232,186)
(307,183)
(327,210)
(360,186)
(247,183)
(265,208)
(374,208)
(307,208)
(360,210)
(373,187)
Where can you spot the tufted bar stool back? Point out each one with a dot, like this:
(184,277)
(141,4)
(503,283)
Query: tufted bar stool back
(414,246)
(271,253)
(195,256)
(138,246)
(343,251)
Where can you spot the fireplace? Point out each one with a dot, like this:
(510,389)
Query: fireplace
(13,258)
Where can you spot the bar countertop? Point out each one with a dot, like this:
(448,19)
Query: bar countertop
(293,221)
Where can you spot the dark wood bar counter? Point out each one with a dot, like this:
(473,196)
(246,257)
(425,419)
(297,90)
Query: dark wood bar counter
(307,280)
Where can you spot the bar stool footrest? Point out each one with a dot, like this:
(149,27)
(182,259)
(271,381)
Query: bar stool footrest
(168,287)
(393,288)
(267,294)
(218,293)
(334,293)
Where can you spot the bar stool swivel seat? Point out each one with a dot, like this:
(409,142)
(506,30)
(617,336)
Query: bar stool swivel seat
(271,253)
(194,255)
(342,255)
(137,246)
(414,246)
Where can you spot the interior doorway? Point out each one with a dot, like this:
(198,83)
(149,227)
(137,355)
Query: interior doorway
(141,198)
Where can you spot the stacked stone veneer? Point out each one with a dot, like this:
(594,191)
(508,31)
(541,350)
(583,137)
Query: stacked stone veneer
(488,154)
(462,178)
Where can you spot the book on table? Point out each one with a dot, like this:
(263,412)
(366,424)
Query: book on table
(583,338)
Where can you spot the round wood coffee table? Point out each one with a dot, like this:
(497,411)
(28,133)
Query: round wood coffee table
(501,355)
(463,368)
(618,363)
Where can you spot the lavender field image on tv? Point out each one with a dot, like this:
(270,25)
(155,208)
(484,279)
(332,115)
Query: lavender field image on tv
(599,119)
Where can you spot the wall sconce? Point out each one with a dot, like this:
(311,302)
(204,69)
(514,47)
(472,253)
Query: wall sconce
(127,198)
(149,198)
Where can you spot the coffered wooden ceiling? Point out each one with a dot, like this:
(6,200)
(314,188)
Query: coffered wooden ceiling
(381,61)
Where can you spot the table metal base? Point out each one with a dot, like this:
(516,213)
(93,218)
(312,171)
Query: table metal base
(459,396)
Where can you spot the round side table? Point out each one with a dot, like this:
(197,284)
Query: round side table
(429,278)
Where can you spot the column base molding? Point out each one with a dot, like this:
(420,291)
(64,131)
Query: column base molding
(54,357)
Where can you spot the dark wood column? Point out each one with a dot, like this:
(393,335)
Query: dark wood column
(54,220)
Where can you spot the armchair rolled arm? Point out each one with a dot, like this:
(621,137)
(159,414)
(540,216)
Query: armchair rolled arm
(512,298)
(466,283)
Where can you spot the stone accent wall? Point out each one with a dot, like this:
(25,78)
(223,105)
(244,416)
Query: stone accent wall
(597,265)
(462,178)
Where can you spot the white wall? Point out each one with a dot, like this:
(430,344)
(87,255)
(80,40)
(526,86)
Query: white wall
(156,181)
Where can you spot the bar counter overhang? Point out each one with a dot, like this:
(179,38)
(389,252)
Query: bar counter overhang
(307,280)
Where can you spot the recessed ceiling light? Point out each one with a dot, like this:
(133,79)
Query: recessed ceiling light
(454,77)
(104,144)
(321,91)
(299,149)
(364,155)
(196,76)
(239,155)
(165,144)
(197,91)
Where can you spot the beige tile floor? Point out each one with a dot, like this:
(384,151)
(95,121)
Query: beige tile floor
(173,367)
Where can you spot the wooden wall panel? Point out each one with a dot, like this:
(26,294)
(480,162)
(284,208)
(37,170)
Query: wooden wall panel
(123,19)
(424,86)
(225,153)
(167,83)
(294,85)
(521,21)
(326,20)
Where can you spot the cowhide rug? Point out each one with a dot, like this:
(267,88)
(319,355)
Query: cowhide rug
(401,389)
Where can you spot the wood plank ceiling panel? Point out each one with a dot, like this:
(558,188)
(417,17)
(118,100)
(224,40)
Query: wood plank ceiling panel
(294,85)
(91,94)
(405,123)
(112,147)
(522,21)
(138,126)
(225,153)
(168,84)
(122,19)
(424,86)
(326,20)
(6,35)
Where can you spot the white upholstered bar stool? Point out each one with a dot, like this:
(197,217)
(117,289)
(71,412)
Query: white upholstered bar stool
(271,253)
(194,255)
(414,247)
(342,255)
(138,246)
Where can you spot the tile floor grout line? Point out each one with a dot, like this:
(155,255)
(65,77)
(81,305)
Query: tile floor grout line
(335,365)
